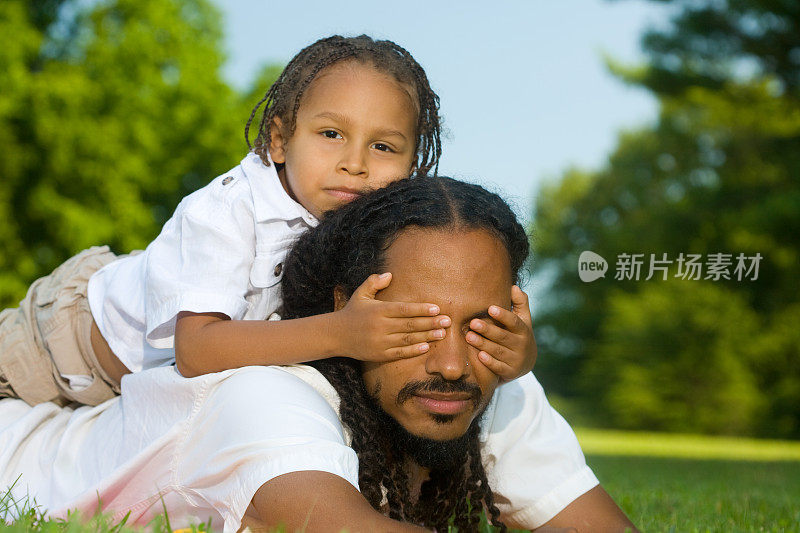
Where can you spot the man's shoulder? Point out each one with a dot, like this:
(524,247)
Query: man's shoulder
(315,380)
(293,391)
(302,379)
(521,399)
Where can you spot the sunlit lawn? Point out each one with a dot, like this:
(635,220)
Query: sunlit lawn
(664,482)
(689,483)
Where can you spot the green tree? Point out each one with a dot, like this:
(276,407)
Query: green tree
(677,356)
(109,115)
(716,173)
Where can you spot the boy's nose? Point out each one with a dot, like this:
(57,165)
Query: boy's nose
(449,357)
(354,162)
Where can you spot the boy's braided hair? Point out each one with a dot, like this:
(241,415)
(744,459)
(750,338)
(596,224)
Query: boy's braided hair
(283,97)
(347,246)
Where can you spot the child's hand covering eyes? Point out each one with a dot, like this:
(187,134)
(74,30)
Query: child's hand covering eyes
(374,330)
(508,349)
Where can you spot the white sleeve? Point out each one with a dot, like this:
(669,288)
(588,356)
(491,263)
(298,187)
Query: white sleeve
(533,462)
(201,261)
(257,424)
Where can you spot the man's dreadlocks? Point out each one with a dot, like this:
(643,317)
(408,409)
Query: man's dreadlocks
(350,244)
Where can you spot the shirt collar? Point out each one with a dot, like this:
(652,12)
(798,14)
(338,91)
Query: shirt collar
(271,201)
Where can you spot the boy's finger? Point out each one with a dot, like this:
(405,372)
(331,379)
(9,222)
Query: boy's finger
(415,324)
(491,331)
(507,319)
(520,306)
(498,367)
(497,351)
(406,352)
(372,285)
(408,309)
(400,340)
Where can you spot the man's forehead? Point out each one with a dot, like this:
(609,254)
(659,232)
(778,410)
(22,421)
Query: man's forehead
(462,268)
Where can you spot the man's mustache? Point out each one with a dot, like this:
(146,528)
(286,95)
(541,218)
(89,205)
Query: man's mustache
(439,384)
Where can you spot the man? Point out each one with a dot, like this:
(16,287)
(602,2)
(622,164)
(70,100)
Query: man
(396,446)
(416,423)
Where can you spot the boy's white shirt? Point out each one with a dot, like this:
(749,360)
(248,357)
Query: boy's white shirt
(221,252)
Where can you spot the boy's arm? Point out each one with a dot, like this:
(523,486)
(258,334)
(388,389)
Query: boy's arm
(211,342)
(362,328)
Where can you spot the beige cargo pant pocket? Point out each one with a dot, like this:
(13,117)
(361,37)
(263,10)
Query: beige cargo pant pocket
(50,337)
(24,370)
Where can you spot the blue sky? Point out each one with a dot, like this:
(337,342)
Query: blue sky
(523,87)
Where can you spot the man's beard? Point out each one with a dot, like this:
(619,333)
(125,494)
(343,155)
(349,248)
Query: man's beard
(426,452)
(430,453)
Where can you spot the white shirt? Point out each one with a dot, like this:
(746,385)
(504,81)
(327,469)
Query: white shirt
(221,252)
(202,447)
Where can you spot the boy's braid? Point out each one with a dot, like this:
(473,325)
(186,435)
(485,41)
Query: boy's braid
(343,52)
(429,101)
(283,98)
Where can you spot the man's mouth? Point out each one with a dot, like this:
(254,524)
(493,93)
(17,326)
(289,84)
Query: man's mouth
(441,397)
(443,403)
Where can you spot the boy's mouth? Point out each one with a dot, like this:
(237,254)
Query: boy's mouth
(345,194)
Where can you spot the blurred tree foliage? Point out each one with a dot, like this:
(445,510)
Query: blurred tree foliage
(719,171)
(110,112)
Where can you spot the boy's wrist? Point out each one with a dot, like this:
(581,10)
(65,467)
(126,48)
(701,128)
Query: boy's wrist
(332,330)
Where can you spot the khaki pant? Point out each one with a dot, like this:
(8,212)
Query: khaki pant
(49,334)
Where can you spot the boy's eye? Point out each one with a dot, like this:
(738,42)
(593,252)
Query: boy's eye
(382,147)
(330,134)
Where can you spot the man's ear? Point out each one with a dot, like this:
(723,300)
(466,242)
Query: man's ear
(277,141)
(339,298)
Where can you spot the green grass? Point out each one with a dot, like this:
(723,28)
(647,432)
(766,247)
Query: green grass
(31,518)
(640,443)
(688,483)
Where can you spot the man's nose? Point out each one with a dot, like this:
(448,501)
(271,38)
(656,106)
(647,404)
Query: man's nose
(354,161)
(449,357)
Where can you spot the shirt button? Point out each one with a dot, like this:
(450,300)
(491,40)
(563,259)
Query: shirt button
(278,269)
